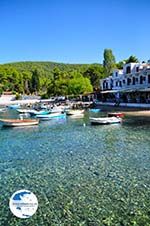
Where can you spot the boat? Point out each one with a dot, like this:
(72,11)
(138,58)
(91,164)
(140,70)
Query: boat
(95,110)
(33,112)
(19,122)
(2,109)
(105,120)
(14,106)
(75,112)
(116,114)
(51,116)
(77,115)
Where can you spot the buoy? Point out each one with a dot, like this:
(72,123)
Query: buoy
(84,124)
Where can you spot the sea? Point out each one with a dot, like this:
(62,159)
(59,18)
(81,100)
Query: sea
(81,174)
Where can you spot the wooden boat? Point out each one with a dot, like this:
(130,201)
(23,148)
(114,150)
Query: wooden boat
(105,120)
(19,122)
(51,116)
(116,114)
(95,110)
(75,112)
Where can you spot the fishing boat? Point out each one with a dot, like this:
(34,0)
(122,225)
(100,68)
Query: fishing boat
(105,120)
(33,112)
(116,114)
(95,110)
(75,112)
(51,116)
(19,122)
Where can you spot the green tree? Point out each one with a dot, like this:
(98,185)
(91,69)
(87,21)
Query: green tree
(79,84)
(120,64)
(109,62)
(132,59)
(35,81)
(94,73)
(26,81)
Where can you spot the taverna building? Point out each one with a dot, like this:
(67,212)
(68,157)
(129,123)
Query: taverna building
(127,87)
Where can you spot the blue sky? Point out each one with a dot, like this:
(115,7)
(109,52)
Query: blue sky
(73,31)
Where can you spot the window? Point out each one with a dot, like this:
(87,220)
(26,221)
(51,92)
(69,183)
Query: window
(137,69)
(128,70)
(141,79)
(148,78)
(136,80)
(128,81)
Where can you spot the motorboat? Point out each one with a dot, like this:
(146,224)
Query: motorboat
(19,122)
(105,120)
(33,112)
(51,116)
(116,114)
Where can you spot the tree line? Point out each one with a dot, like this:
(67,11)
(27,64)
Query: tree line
(52,79)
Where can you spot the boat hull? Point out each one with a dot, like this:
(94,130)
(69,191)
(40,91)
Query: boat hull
(51,116)
(75,112)
(18,122)
(105,120)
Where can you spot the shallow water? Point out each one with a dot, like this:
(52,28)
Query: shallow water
(81,175)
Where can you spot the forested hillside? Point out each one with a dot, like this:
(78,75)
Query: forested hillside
(49,77)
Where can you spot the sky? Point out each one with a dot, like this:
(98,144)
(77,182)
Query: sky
(73,31)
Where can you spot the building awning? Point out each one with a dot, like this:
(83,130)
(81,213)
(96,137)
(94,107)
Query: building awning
(126,90)
(110,91)
(144,90)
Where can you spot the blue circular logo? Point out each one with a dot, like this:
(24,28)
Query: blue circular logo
(23,204)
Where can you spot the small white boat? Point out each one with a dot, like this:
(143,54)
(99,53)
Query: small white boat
(105,120)
(19,122)
(75,112)
(51,116)
(33,112)
(2,109)
(77,115)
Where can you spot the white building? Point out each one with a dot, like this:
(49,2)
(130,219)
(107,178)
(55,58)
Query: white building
(133,80)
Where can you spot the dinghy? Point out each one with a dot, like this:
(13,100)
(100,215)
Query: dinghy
(51,116)
(33,112)
(19,122)
(105,120)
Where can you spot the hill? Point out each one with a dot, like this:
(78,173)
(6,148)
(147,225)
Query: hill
(35,76)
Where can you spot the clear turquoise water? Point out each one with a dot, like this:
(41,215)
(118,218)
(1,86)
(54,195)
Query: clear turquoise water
(92,175)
